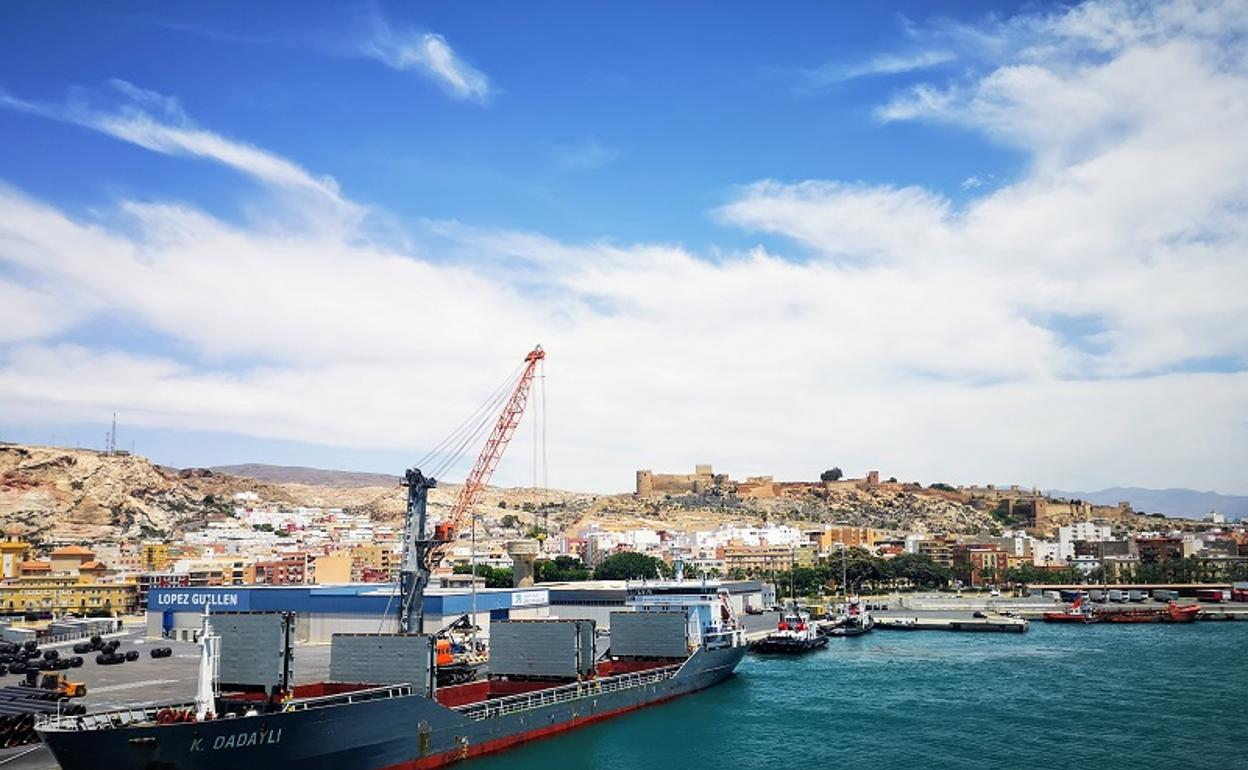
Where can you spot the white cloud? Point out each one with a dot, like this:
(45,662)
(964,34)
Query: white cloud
(171,132)
(430,54)
(884,64)
(910,333)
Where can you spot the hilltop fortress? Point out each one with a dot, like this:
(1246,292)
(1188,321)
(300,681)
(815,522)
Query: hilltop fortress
(704,480)
(1012,503)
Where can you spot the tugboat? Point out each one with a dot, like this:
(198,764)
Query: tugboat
(1180,613)
(855,622)
(1077,612)
(794,634)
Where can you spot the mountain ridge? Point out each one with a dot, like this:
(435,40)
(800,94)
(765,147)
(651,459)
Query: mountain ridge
(1173,501)
(302,474)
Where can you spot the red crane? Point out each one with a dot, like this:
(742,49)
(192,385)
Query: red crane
(488,460)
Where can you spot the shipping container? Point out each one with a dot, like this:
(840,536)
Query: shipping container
(546,649)
(253,648)
(381,659)
(649,635)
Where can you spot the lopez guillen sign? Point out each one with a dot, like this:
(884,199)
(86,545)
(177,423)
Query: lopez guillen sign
(190,599)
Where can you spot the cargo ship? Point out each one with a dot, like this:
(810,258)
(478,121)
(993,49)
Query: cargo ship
(382,706)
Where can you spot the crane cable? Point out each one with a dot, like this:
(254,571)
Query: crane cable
(484,408)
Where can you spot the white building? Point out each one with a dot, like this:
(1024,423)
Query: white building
(1087,531)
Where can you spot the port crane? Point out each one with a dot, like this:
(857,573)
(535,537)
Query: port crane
(420,552)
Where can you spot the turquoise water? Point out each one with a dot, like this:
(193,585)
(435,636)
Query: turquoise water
(1140,697)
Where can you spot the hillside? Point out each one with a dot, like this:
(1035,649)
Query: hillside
(298,474)
(81,494)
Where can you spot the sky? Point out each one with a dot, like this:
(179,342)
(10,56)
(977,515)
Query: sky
(963,242)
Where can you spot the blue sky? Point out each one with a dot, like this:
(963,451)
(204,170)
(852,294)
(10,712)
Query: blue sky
(866,236)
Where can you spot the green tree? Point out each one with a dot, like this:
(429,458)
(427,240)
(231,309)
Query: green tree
(563,569)
(832,474)
(495,577)
(630,565)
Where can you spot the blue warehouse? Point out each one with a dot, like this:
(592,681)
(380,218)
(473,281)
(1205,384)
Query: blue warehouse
(321,611)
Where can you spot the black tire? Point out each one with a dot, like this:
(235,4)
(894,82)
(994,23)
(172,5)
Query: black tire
(132,655)
(101,658)
(51,655)
(75,662)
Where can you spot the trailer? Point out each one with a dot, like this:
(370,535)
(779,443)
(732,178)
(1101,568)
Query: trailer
(1135,595)
(1165,595)
(1210,594)
(1117,596)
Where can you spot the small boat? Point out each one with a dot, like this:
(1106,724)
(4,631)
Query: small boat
(794,634)
(855,622)
(1180,613)
(1077,612)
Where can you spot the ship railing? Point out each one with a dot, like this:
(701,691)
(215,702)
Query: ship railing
(354,696)
(511,704)
(105,720)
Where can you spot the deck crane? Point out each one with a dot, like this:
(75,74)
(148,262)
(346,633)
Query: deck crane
(421,553)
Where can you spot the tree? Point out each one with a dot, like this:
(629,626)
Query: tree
(563,569)
(630,565)
(832,474)
(509,521)
(495,577)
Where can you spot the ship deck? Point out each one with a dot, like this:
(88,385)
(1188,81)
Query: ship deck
(476,700)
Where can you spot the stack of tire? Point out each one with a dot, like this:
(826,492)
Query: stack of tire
(20,705)
(18,658)
(110,657)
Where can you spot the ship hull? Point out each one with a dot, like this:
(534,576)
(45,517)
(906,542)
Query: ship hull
(406,732)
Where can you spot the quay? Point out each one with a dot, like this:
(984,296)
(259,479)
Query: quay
(990,624)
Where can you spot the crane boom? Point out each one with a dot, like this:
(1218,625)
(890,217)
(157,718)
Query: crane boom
(491,454)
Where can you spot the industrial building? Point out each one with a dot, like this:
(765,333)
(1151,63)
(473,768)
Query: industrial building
(322,611)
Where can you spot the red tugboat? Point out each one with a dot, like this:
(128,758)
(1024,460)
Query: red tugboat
(1180,613)
(1075,613)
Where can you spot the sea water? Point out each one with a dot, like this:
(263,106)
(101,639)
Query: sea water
(1100,696)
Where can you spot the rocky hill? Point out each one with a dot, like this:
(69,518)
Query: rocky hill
(81,494)
(84,495)
(878,507)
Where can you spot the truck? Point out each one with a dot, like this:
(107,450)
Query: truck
(1210,594)
(1165,595)
(1117,596)
(1136,596)
(1097,595)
